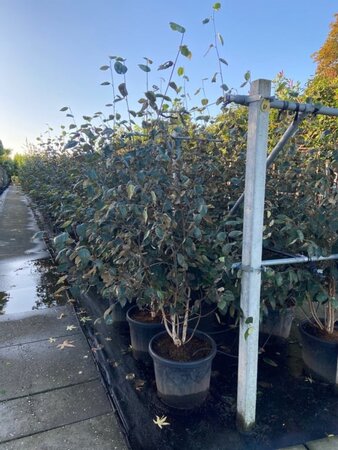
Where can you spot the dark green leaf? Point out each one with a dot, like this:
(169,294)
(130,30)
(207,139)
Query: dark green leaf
(120,68)
(174,26)
(144,68)
(165,65)
(123,89)
(185,51)
(223,61)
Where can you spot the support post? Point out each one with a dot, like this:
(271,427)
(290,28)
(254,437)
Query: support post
(255,174)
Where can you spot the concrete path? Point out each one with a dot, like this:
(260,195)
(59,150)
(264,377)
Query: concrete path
(51,396)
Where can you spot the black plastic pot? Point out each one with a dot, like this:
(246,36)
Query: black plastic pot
(182,385)
(319,356)
(278,322)
(140,335)
(118,313)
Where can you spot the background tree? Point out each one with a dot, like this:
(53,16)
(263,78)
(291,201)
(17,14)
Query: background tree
(327,56)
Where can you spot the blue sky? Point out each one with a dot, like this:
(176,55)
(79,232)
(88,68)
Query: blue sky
(51,50)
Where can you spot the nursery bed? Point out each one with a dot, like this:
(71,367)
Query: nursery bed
(291,408)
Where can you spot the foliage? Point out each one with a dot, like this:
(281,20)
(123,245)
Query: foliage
(140,210)
(327,56)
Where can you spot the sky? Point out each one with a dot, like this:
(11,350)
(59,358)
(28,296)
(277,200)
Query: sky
(51,51)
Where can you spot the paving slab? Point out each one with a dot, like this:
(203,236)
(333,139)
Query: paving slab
(42,366)
(37,325)
(40,412)
(328,443)
(98,433)
(18,226)
(294,447)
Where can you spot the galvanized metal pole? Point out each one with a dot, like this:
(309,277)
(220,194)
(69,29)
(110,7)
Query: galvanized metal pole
(284,105)
(255,174)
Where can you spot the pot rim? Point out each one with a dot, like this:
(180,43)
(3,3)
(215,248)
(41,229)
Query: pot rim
(139,322)
(186,364)
(316,338)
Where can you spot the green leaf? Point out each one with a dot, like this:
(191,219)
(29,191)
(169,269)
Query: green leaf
(174,26)
(150,96)
(104,67)
(220,38)
(279,279)
(154,198)
(223,61)
(185,51)
(159,232)
(217,6)
(145,215)
(247,75)
(123,89)
(235,233)
(181,261)
(165,65)
(180,71)
(120,68)
(130,191)
(221,236)
(39,235)
(249,320)
(65,108)
(84,255)
(105,83)
(248,331)
(224,87)
(207,20)
(213,79)
(144,68)
(173,85)
(204,101)
(61,239)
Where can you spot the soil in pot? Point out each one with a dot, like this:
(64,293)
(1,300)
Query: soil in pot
(192,351)
(319,351)
(142,328)
(182,374)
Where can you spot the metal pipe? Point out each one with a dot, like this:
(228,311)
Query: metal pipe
(285,105)
(293,260)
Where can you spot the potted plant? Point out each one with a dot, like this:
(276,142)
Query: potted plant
(302,200)
(187,240)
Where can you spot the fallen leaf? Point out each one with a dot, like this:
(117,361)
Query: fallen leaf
(65,344)
(139,384)
(96,349)
(161,421)
(85,319)
(62,315)
(270,362)
(130,376)
(71,327)
(51,340)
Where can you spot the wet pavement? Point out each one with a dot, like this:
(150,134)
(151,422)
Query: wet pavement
(51,394)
